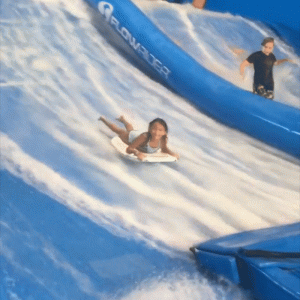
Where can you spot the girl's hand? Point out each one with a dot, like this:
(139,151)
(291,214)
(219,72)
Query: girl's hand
(141,156)
(176,155)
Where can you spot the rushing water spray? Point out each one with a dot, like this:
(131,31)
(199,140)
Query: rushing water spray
(58,75)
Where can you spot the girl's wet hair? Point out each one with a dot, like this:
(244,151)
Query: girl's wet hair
(267,40)
(160,121)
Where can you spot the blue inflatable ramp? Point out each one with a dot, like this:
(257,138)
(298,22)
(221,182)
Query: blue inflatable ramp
(265,261)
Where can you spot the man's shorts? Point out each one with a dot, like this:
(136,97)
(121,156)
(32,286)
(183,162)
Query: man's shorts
(262,91)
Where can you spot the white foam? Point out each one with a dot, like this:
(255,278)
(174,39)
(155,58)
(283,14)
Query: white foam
(182,286)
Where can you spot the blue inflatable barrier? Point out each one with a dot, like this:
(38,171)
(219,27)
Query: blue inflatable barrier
(133,33)
(265,261)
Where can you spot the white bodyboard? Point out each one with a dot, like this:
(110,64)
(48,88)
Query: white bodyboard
(150,157)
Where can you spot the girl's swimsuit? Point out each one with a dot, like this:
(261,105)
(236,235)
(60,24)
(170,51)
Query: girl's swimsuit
(147,148)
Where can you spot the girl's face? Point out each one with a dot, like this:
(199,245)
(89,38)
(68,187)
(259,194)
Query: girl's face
(268,48)
(157,131)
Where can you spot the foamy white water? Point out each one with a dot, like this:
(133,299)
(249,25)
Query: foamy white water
(58,75)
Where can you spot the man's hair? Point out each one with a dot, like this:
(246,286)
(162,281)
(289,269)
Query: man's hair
(267,40)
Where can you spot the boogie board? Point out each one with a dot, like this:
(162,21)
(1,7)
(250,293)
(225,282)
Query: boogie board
(153,157)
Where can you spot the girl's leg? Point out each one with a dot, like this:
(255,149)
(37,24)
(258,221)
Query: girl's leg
(123,134)
(127,125)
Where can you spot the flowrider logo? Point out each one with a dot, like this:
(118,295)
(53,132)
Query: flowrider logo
(106,9)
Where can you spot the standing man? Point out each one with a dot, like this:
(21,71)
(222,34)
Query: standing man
(263,62)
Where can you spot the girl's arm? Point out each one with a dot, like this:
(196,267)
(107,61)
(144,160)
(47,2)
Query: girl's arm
(132,148)
(165,149)
(280,61)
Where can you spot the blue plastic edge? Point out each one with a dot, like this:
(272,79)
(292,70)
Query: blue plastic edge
(272,122)
(218,264)
(274,283)
(270,278)
(285,238)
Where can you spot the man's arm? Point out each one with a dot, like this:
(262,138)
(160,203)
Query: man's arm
(280,61)
(243,65)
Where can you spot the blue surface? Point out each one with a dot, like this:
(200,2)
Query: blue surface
(272,12)
(266,11)
(272,122)
(281,16)
(274,281)
(47,250)
(55,252)
(220,264)
(286,23)
(267,277)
